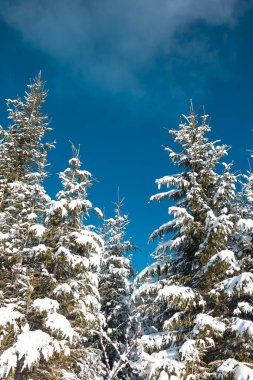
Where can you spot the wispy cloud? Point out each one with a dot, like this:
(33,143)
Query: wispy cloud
(109,41)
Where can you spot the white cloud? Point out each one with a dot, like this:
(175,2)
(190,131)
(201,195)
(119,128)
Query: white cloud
(108,41)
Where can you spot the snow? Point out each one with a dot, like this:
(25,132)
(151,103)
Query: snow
(8,361)
(45,305)
(59,323)
(98,212)
(242,285)
(32,216)
(91,300)
(87,238)
(241,327)
(147,289)
(221,224)
(163,376)
(31,346)
(166,228)
(156,340)
(243,307)
(40,248)
(167,360)
(9,316)
(79,204)
(3,236)
(178,295)
(55,207)
(62,288)
(70,288)
(172,320)
(180,212)
(205,321)
(66,375)
(175,243)
(160,196)
(74,161)
(150,270)
(171,180)
(72,259)
(189,352)
(38,230)
(76,204)
(226,256)
(235,369)
(94,261)
(245,224)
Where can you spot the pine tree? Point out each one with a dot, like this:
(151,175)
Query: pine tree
(115,287)
(65,302)
(22,206)
(234,294)
(184,322)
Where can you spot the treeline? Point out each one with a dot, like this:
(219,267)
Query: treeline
(71,306)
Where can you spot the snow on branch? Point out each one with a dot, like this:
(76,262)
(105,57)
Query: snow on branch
(241,285)
(225,257)
(179,182)
(179,297)
(205,322)
(31,346)
(242,327)
(232,368)
(45,305)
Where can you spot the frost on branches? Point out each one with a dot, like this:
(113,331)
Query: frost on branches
(115,289)
(186,298)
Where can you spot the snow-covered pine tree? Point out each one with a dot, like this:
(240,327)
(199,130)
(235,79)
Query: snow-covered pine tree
(115,287)
(234,294)
(66,304)
(22,204)
(184,322)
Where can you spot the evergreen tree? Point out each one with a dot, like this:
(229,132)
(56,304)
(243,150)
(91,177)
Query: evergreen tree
(65,302)
(234,294)
(22,205)
(115,287)
(185,323)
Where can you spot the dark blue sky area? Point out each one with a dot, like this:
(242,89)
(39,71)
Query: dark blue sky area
(119,74)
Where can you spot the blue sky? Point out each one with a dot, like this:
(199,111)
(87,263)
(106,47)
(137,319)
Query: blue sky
(119,74)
